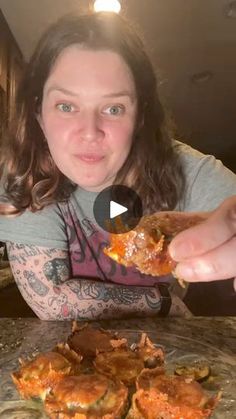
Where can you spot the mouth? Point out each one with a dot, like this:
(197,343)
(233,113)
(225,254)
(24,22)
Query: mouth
(90,157)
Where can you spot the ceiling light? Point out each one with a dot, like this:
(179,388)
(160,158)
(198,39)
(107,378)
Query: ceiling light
(107,6)
(230,10)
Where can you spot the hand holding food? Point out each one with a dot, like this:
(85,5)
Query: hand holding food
(206,252)
(146,246)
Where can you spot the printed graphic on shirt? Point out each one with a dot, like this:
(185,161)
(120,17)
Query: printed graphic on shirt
(86,244)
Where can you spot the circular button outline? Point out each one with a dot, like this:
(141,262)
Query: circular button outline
(122,195)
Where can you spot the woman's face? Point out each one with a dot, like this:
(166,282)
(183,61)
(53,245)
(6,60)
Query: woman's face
(88,115)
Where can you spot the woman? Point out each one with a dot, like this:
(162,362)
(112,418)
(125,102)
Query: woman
(87,117)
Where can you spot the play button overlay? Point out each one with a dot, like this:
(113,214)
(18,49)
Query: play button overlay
(117,209)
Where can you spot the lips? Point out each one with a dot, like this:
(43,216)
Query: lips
(90,157)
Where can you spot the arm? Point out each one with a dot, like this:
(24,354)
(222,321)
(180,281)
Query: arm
(207,252)
(43,278)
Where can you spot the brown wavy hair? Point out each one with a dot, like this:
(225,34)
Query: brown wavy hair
(29,175)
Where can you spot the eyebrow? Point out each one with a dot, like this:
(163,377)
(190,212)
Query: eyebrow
(122,93)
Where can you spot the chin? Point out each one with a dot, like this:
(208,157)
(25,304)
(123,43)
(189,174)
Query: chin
(91,187)
(95,186)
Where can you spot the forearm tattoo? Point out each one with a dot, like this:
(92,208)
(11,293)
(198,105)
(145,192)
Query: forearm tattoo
(56,270)
(118,294)
(44,279)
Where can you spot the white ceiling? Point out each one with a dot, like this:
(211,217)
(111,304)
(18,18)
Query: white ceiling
(193,46)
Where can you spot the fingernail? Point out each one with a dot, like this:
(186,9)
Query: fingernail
(232,213)
(184,271)
(179,250)
(200,267)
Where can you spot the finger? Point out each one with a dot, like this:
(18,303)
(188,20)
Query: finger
(215,265)
(216,230)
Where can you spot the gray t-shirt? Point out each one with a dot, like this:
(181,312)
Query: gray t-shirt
(71,225)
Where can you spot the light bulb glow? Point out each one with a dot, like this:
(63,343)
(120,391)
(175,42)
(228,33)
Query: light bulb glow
(107,6)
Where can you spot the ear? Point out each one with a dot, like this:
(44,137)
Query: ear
(139,126)
(141,123)
(38,116)
(140,120)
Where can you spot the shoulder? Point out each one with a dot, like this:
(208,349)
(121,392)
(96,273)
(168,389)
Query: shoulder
(208,181)
(45,227)
(195,162)
(190,156)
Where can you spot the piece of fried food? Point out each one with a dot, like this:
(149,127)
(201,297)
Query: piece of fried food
(126,363)
(174,397)
(73,357)
(89,396)
(198,371)
(146,246)
(37,377)
(149,353)
(151,404)
(87,340)
(122,363)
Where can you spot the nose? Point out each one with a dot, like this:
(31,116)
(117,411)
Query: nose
(90,128)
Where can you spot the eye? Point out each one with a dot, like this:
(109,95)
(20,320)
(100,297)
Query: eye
(115,110)
(65,107)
